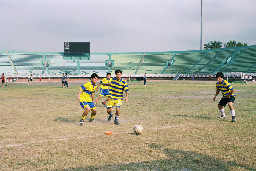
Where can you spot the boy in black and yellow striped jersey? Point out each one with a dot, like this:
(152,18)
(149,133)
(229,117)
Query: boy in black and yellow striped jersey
(117,87)
(229,96)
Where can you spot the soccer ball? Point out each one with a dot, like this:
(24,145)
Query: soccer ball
(137,129)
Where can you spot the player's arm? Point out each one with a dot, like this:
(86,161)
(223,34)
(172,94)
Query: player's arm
(78,96)
(216,94)
(127,96)
(106,84)
(231,89)
(98,85)
(126,89)
(92,97)
(230,93)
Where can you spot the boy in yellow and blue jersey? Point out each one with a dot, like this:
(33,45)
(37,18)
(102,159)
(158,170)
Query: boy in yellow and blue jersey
(117,87)
(229,96)
(104,89)
(86,98)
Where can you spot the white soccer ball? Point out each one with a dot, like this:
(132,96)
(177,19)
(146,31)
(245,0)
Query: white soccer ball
(137,129)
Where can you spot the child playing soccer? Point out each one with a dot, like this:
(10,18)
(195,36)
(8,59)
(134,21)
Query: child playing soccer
(116,89)
(86,98)
(104,89)
(228,96)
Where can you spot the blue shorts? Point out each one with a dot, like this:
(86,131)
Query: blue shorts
(85,104)
(104,92)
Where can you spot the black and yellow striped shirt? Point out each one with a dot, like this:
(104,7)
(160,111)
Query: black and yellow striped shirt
(225,88)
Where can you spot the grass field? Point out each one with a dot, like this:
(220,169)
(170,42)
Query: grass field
(39,129)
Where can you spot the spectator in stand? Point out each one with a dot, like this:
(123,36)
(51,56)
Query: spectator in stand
(245,79)
(250,78)
(3,80)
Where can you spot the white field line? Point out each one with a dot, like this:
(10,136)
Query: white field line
(63,138)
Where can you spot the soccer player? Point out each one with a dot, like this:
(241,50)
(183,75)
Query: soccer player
(66,80)
(86,98)
(145,79)
(229,96)
(116,89)
(63,80)
(104,89)
(30,79)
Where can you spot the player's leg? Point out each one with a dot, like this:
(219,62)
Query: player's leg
(221,106)
(110,115)
(92,114)
(117,115)
(109,106)
(86,108)
(93,109)
(232,109)
(118,104)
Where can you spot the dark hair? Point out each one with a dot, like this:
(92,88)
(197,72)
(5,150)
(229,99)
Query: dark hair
(118,71)
(220,74)
(94,75)
(108,73)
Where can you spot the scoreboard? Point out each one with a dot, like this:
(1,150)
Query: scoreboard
(76,47)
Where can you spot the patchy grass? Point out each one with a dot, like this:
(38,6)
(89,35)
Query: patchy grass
(39,129)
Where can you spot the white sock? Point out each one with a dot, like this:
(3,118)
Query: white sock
(233,113)
(222,112)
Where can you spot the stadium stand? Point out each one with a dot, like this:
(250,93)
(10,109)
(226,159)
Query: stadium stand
(237,59)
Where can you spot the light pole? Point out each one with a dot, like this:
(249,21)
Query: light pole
(201,35)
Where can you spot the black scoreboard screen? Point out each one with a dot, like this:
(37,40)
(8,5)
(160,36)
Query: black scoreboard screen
(77,47)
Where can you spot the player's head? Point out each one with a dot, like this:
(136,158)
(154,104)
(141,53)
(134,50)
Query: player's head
(94,78)
(66,73)
(220,77)
(3,74)
(108,75)
(118,74)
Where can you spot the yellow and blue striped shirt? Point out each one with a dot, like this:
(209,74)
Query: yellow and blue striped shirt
(117,88)
(225,88)
(87,90)
(104,81)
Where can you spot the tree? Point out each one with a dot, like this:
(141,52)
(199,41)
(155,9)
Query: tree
(213,45)
(218,44)
(232,43)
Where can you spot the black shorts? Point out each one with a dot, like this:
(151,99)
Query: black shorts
(2,81)
(225,100)
(62,82)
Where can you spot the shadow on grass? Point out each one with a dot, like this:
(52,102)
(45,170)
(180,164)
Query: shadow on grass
(177,160)
(64,120)
(202,117)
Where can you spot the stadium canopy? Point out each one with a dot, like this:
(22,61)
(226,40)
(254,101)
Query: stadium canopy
(236,59)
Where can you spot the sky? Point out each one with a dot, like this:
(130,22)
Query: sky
(124,25)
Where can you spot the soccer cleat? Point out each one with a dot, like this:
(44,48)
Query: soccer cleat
(91,120)
(116,122)
(223,116)
(233,119)
(109,118)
